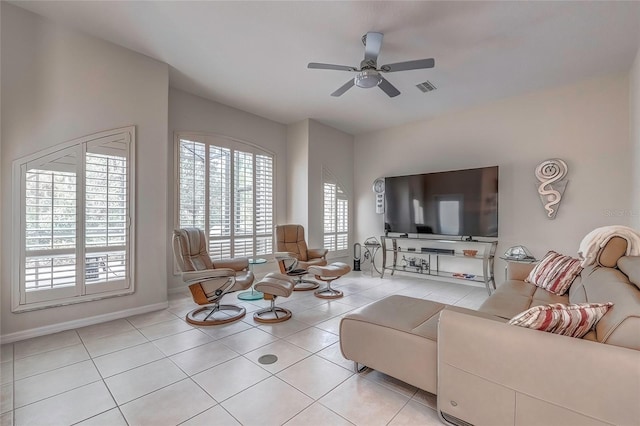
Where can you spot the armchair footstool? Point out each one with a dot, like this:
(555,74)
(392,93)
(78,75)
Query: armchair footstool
(329,274)
(272,286)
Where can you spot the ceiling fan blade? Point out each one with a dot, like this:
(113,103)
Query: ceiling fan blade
(348,85)
(372,46)
(318,66)
(388,88)
(409,65)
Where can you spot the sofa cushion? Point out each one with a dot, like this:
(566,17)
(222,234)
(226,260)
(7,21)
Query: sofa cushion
(543,297)
(402,313)
(505,305)
(577,293)
(621,325)
(567,320)
(513,297)
(555,272)
(608,255)
(516,287)
(630,265)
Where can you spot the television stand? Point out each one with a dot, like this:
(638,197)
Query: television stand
(449,260)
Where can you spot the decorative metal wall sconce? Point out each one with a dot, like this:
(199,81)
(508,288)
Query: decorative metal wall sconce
(551,174)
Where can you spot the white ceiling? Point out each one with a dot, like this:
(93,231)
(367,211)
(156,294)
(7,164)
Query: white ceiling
(253,55)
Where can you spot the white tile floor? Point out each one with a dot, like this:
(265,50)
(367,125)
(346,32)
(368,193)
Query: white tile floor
(155,369)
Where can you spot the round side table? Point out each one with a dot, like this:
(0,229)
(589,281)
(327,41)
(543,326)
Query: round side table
(253,294)
(517,260)
(370,253)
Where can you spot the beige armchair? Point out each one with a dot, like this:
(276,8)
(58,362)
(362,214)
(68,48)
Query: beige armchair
(209,280)
(294,258)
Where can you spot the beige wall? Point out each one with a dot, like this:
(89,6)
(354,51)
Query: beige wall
(331,149)
(58,85)
(2,205)
(191,113)
(634,130)
(297,173)
(586,124)
(312,146)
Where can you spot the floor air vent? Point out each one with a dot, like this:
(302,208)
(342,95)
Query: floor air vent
(425,87)
(454,420)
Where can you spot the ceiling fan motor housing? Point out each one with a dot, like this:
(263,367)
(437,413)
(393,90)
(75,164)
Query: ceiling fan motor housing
(367,79)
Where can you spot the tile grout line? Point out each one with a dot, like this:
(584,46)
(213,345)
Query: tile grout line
(217,403)
(292,385)
(103,382)
(13,383)
(300,390)
(315,326)
(337,414)
(47,371)
(47,351)
(107,387)
(59,393)
(399,411)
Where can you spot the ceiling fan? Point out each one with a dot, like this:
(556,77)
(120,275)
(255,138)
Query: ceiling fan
(369,75)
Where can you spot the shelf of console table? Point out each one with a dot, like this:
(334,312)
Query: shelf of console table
(430,260)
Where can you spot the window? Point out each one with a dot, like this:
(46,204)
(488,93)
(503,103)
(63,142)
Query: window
(74,210)
(450,211)
(225,187)
(336,215)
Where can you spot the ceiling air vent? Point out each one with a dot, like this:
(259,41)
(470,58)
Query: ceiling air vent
(425,87)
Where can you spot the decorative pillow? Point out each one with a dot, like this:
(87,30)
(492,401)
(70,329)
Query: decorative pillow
(555,273)
(567,320)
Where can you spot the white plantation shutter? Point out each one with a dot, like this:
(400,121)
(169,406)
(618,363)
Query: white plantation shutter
(335,215)
(192,185)
(329,217)
(239,182)
(50,230)
(106,216)
(219,202)
(264,205)
(342,219)
(243,203)
(74,216)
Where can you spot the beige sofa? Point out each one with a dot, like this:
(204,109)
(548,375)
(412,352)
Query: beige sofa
(486,372)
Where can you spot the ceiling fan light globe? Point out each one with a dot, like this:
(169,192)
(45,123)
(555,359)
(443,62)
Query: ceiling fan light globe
(367,79)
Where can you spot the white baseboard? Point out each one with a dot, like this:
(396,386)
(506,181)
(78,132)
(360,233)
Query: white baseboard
(178,289)
(70,325)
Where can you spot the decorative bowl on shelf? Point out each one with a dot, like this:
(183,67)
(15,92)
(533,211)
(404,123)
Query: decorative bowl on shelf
(470,253)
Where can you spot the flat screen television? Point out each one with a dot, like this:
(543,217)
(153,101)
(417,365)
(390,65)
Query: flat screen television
(457,203)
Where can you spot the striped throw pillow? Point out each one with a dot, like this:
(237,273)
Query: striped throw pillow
(567,320)
(555,272)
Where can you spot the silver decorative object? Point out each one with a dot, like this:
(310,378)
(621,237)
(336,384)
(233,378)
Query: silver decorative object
(551,174)
(519,253)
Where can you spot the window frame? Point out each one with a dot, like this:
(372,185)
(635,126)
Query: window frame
(82,291)
(234,145)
